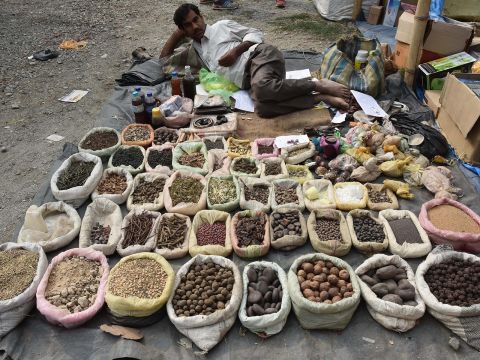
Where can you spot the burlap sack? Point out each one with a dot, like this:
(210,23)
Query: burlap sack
(393,204)
(288,153)
(116,198)
(129,168)
(189,209)
(357,188)
(157,203)
(251,251)
(325,190)
(159,168)
(210,216)
(367,247)
(288,242)
(179,251)
(151,237)
(253,204)
(283,174)
(300,205)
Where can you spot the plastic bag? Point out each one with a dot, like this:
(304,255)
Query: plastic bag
(360,154)
(292,184)
(394,168)
(343,162)
(116,198)
(251,251)
(377,206)
(210,217)
(264,142)
(283,169)
(102,153)
(143,143)
(400,188)
(181,117)
(129,168)
(251,160)
(350,195)
(218,162)
(368,172)
(288,242)
(160,169)
(254,204)
(157,203)
(318,194)
(184,208)
(52,226)
(412,174)
(229,206)
(216,84)
(366,247)
(437,179)
(137,248)
(179,251)
(190,148)
(295,154)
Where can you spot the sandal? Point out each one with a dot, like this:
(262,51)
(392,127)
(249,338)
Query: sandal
(280,3)
(227,5)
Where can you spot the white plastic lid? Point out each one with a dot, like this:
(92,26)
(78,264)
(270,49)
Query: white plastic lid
(362,54)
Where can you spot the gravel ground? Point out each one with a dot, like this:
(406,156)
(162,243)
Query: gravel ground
(29,89)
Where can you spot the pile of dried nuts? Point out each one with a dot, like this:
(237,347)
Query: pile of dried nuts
(328,229)
(212,234)
(367,229)
(264,292)
(250,230)
(286,224)
(162,136)
(285,194)
(18,268)
(112,184)
(136,133)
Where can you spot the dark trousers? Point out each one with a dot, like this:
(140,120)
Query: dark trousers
(272,94)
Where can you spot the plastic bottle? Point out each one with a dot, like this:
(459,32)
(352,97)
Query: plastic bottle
(176,84)
(138,108)
(361,59)
(157,117)
(141,93)
(149,105)
(189,89)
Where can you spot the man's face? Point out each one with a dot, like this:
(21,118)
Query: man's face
(194,26)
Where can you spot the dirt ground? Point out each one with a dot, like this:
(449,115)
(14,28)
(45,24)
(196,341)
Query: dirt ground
(29,89)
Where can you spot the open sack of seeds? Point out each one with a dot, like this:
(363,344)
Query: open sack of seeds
(138,287)
(264,148)
(368,234)
(447,221)
(164,135)
(350,195)
(223,193)
(245,166)
(101,227)
(323,302)
(455,303)
(172,234)
(380,198)
(299,173)
(191,156)
(76,178)
(328,232)
(218,162)
(159,159)
(137,232)
(210,233)
(130,158)
(215,143)
(406,236)
(147,193)
(238,147)
(206,320)
(388,288)
(137,134)
(273,169)
(296,154)
(53,225)
(265,304)
(250,234)
(255,194)
(72,289)
(288,229)
(21,268)
(100,141)
(318,194)
(287,193)
(115,185)
(185,193)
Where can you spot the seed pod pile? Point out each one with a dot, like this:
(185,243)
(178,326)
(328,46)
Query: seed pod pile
(138,229)
(250,230)
(171,233)
(112,184)
(264,292)
(221,191)
(195,160)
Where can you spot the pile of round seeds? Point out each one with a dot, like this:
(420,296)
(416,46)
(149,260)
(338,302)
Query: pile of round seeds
(212,234)
(264,292)
(378,196)
(328,229)
(100,140)
(136,133)
(368,230)
(162,136)
(112,184)
(17,271)
(160,157)
(286,224)
(285,194)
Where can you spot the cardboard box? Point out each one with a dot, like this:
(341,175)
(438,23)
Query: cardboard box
(375,14)
(459,116)
(401,55)
(432,99)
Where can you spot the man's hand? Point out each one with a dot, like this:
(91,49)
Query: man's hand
(172,43)
(229,58)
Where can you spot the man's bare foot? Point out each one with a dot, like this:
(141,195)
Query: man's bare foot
(329,87)
(334,101)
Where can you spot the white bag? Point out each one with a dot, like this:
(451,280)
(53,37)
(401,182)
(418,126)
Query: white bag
(106,213)
(190,148)
(218,155)
(463,321)
(14,310)
(289,183)
(309,151)
(251,159)
(61,228)
(366,247)
(228,206)
(102,153)
(337,10)
(157,203)
(325,190)
(269,324)
(77,195)
(313,315)
(284,171)
(159,168)
(116,198)
(392,316)
(357,193)
(177,252)
(184,208)
(206,331)
(253,204)
(405,250)
(288,242)
(151,239)
(129,168)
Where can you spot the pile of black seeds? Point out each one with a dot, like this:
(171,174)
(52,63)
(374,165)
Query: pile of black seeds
(132,156)
(160,157)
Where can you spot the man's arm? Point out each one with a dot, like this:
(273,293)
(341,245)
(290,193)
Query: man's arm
(172,43)
(229,58)
(248,37)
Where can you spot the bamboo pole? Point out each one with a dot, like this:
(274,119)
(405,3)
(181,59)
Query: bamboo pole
(416,46)
(357,7)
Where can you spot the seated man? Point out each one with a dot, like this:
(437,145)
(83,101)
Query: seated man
(238,53)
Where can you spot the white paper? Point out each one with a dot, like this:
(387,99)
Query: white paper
(243,101)
(298,74)
(55,137)
(201,90)
(74,96)
(289,140)
(369,105)
(339,118)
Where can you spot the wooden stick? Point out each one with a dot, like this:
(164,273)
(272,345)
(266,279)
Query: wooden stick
(357,8)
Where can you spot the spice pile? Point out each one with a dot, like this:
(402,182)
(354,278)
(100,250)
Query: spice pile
(273,168)
(285,194)
(378,196)
(250,230)
(264,292)
(297,151)
(455,282)
(205,289)
(239,148)
(112,184)
(162,136)
(136,133)
(221,191)
(100,234)
(160,157)
(451,218)
(195,159)
(405,231)
(138,229)
(17,271)
(322,281)
(217,144)
(286,224)
(100,140)
(171,233)
(328,229)
(131,156)
(146,191)
(185,189)
(212,234)
(73,283)
(245,165)
(296,172)
(257,192)
(265,149)
(367,229)
(76,174)
(143,278)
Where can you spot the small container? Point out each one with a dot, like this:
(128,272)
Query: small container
(157,117)
(176,83)
(361,59)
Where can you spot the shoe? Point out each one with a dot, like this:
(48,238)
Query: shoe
(206,2)
(45,55)
(227,5)
(280,3)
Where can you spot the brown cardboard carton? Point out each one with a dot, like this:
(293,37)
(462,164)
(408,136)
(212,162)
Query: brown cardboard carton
(375,14)
(401,55)
(432,99)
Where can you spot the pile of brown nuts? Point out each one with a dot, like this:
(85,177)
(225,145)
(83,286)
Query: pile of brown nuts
(250,230)
(286,224)
(328,229)
(285,194)
(264,292)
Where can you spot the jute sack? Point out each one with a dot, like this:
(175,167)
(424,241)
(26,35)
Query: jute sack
(190,148)
(102,153)
(161,169)
(63,317)
(14,310)
(184,208)
(206,331)
(134,306)
(264,142)
(250,182)
(61,227)
(294,154)
(229,206)
(366,247)
(106,213)
(333,247)
(129,168)
(116,198)
(177,252)
(77,195)
(269,324)
(393,204)
(157,203)
(283,173)
(300,179)
(463,321)
(300,204)
(326,199)
(149,242)
(218,156)
(209,217)
(250,159)
(313,315)
(251,251)
(357,189)
(288,242)
(405,250)
(393,316)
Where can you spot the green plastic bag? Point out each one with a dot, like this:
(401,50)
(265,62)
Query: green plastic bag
(216,84)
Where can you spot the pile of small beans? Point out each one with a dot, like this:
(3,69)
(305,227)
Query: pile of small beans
(264,292)
(211,234)
(378,196)
(286,224)
(328,229)
(367,229)
(128,156)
